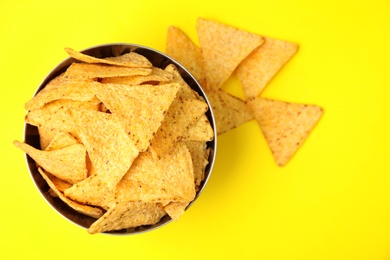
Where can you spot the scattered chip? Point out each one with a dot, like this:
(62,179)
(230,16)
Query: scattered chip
(180,47)
(285,125)
(67,163)
(223,48)
(229,111)
(130,59)
(262,64)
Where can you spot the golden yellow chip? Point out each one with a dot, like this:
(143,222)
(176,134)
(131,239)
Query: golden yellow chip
(181,115)
(159,180)
(46,135)
(59,88)
(68,164)
(92,71)
(176,209)
(180,47)
(199,155)
(223,48)
(84,209)
(285,125)
(111,152)
(229,111)
(130,59)
(201,130)
(185,90)
(157,76)
(141,109)
(128,215)
(61,140)
(262,64)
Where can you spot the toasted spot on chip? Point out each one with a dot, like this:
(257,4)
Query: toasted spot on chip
(62,88)
(263,64)
(229,111)
(55,185)
(110,150)
(285,125)
(91,71)
(68,164)
(141,109)
(130,59)
(180,47)
(181,115)
(157,180)
(128,215)
(223,48)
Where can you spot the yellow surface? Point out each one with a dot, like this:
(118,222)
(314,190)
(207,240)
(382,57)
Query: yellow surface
(332,201)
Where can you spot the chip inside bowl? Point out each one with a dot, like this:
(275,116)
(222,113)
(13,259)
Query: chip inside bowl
(126,143)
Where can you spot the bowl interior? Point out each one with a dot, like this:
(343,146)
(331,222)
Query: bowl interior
(31,135)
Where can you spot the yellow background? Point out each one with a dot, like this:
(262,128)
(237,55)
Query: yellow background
(332,201)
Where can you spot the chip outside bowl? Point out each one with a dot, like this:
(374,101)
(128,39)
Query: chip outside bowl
(31,136)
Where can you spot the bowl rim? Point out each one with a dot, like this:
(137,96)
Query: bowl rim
(31,135)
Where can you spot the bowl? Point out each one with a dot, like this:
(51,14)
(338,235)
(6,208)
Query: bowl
(31,136)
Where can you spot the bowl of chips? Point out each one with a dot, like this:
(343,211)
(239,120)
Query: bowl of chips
(119,139)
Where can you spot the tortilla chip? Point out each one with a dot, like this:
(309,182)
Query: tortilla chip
(181,115)
(199,155)
(158,76)
(130,59)
(141,109)
(67,164)
(62,88)
(201,130)
(285,125)
(91,71)
(176,209)
(46,135)
(180,47)
(262,64)
(81,208)
(185,90)
(223,48)
(229,111)
(111,152)
(61,140)
(159,180)
(128,215)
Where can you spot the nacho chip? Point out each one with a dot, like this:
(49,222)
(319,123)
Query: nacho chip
(67,164)
(128,215)
(158,180)
(141,109)
(157,76)
(91,71)
(201,130)
(285,125)
(81,208)
(262,64)
(130,59)
(223,48)
(61,140)
(176,209)
(46,135)
(229,111)
(199,155)
(181,115)
(180,47)
(185,90)
(62,88)
(111,152)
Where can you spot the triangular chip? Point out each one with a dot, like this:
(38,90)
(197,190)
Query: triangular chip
(138,107)
(180,47)
(229,111)
(223,48)
(158,180)
(130,59)
(201,130)
(158,76)
(111,152)
(84,209)
(68,164)
(181,115)
(262,64)
(199,155)
(62,88)
(128,215)
(185,90)
(61,140)
(176,209)
(78,71)
(285,125)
